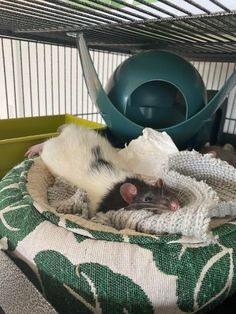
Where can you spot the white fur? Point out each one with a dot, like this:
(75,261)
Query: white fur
(70,155)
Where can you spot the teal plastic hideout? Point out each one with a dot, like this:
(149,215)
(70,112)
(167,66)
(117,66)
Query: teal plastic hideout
(156,89)
(147,91)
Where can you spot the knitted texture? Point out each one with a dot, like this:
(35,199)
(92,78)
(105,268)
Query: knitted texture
(68,199)
(216,173)
(206,188)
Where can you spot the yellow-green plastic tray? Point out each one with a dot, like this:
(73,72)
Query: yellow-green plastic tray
(17,135)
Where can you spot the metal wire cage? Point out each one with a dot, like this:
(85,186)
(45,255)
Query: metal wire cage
(40,73)
(189,27)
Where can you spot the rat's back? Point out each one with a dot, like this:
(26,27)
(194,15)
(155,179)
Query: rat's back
(86,159)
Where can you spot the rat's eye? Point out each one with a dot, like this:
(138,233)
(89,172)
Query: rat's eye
(148,199)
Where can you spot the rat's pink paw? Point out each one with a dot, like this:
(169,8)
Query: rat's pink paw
(34,150)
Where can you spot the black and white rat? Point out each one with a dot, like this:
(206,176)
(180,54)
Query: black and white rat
(87,160)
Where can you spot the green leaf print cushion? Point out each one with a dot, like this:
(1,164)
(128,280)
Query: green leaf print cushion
(85,267)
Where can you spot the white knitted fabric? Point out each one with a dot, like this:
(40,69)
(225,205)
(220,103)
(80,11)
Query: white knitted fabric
(68,199)
(217,174)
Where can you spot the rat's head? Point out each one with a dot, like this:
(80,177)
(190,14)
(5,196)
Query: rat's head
(138,194)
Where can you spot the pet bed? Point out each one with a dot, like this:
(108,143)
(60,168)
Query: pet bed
(82,266)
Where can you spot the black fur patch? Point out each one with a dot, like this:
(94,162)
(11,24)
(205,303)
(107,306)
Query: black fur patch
(96,151)
(99,161)
(113,199)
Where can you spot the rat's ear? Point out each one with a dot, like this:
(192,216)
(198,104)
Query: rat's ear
(207,144)
(159,183)
(128,191)
(213,153)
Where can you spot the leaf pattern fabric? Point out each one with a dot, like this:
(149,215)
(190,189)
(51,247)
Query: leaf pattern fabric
(81,270)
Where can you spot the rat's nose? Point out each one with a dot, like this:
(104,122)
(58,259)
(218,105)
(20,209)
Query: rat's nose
(174,205)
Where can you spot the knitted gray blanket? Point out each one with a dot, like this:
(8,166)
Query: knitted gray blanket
(206,188)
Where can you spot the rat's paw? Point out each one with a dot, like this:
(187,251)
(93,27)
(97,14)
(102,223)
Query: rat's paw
(34,150)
